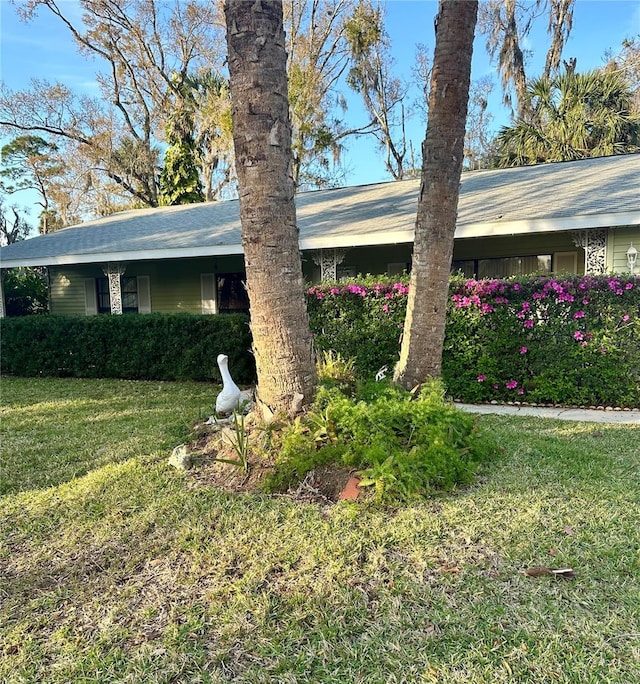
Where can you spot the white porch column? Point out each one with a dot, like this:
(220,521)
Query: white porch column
(594,243)
(114,273)
(328,260)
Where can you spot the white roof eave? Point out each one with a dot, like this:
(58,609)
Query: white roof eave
(367,239)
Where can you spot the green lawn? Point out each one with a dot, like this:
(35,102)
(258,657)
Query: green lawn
(114,567)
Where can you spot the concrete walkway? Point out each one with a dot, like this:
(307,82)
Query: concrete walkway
(586,415)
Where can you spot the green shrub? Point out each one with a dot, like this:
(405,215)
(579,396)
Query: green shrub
(405,446)
(25,291)
(359,319)
(151,347)
(571,341)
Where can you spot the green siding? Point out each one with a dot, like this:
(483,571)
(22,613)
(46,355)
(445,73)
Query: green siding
(67,288)
(618,244)
(174,284)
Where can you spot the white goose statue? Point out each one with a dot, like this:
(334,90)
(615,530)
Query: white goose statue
(230,396)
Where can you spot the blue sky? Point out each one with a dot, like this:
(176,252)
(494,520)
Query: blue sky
(44,49)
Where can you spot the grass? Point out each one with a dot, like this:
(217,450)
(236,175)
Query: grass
(117,568)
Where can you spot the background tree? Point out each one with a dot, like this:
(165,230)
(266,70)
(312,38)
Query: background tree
(213,132)
(442,157)
(149,49)
(282,341)
(506,24)
(478,140)
(572,116)
(627,62)
(382,94)
(318,56)
(24,289)
(180,175)
(13,222)
(31,163)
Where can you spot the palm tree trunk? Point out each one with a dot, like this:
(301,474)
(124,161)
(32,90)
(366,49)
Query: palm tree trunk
(423,339)
(262,139)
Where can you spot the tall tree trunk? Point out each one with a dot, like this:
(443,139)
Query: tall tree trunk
(442,150)
(262,139)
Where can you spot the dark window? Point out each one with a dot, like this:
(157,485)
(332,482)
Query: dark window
(232,293)
(129,289)
(129,293)
(503,267)
(104,301)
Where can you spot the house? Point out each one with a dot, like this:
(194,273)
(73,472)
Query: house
(567,217)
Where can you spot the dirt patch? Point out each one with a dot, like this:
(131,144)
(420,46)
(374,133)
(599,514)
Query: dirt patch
(210,468)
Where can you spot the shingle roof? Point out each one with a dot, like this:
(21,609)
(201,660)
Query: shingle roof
(598,192)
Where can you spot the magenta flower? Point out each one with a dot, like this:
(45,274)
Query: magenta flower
(628,286)
(512,384)
(385,308)
(578,314)
(577,335)
(495,385)
(528,324)
(625,318)
(524,350)
(482,377)
(521,391)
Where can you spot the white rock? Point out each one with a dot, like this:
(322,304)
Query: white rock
(180,458)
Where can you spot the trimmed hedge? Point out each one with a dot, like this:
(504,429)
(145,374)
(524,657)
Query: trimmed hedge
(151,347)
(537,339)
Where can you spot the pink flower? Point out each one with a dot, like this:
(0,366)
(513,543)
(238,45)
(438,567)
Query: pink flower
(578,314)
(577,335)
(528,324)
(584,343)
(385,308)
(625,318)
(523,350)
(512,384)
(482,377)
(521,391)
(628,286)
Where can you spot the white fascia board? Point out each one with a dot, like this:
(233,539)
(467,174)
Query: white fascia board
(389,237)
(496,229)
(138,255)
(477,230)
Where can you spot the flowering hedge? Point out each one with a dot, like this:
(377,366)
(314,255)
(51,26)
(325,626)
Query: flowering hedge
(571,341)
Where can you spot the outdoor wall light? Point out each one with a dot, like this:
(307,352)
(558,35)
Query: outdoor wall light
(632,257)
